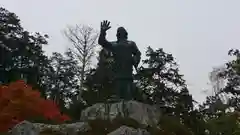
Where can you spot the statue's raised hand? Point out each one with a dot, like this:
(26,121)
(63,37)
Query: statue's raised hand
(105,25)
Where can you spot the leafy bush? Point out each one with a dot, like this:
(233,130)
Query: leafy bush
(19,102)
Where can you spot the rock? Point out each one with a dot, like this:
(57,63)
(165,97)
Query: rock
(45,127)
(143,113)
(28,128)
(24,128)
(74,128)
(124,130)
(64,128)
(70,129)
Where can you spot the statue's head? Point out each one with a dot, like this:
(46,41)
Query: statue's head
(122,33)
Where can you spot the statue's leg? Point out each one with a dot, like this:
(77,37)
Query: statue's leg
(118,88)
(127,89)
(124,88)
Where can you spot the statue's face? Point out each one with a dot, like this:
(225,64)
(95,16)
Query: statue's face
(121,33)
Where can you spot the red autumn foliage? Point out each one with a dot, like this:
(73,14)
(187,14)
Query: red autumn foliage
(18,102)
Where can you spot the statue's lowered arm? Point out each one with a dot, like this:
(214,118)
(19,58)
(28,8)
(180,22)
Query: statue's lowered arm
(136,55)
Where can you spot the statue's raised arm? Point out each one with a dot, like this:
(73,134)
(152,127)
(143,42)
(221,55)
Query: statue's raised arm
(105,25)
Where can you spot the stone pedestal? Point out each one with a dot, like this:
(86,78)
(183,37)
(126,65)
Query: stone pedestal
(143,113)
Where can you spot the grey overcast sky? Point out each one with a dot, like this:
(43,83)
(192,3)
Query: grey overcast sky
(197,32)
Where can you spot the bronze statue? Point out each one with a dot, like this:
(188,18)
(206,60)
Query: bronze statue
(126,55)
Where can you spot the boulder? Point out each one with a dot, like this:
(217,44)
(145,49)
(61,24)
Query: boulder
(71,129)
(28,128)
(24,128)
(124,130)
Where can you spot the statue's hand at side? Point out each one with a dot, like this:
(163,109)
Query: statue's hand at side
(105,25)
(135,62)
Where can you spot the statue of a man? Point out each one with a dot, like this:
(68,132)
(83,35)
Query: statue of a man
(126,55)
